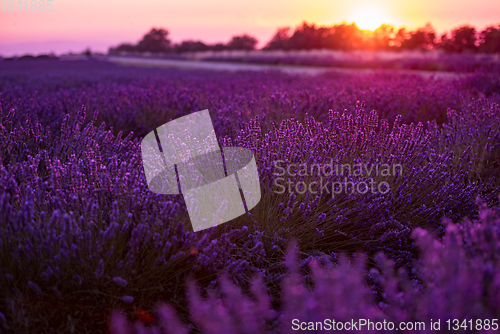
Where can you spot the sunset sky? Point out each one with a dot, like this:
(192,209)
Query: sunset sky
(75,25)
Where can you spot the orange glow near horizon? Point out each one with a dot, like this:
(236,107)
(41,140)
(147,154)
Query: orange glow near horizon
(370,18)
(76,25)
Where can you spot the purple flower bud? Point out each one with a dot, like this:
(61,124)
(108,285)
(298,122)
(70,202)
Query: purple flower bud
(120,281)
(100,268)
(128,299)
(35,287)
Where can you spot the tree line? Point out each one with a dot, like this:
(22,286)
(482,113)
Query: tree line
(342,36)
(157,41)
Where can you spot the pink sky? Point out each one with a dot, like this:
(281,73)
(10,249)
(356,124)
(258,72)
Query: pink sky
(75,25)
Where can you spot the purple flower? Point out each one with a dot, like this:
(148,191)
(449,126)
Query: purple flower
(35,287)
(120,281)
(100,268)
(128,299)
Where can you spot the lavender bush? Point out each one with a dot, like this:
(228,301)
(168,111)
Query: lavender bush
(78,221)
(457,277)
(137,100)
(81,234)
(435,171)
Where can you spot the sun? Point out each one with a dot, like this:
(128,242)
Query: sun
(369,18)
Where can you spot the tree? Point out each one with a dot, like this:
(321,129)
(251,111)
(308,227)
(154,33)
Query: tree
(155,41)
(446,43)
(279,40)
(423,38)
(218,47)
(347,36)
(489,39)
(401,36)
(87,52)
(382,37)
(125,47)
(243,42)
(308,37)
(462,39)
(191,46)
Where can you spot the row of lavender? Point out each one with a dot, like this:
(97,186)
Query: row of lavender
(81,234)
(445,62)
(140,99)
(455,287)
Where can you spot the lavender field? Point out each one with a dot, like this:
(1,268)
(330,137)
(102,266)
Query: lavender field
(86,247)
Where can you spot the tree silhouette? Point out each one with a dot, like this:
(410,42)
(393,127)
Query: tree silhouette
(279,40)
(348,36)
(191,46)
(342,36)
(243,42)
(462,39)
(423,39)
(218,47)
(382,37)
(154,41)
(307,37)
(125,47)
(490,39)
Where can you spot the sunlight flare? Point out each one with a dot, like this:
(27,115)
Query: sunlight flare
(369,18)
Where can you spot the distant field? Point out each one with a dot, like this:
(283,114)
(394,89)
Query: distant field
(405,60)
(232,66)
